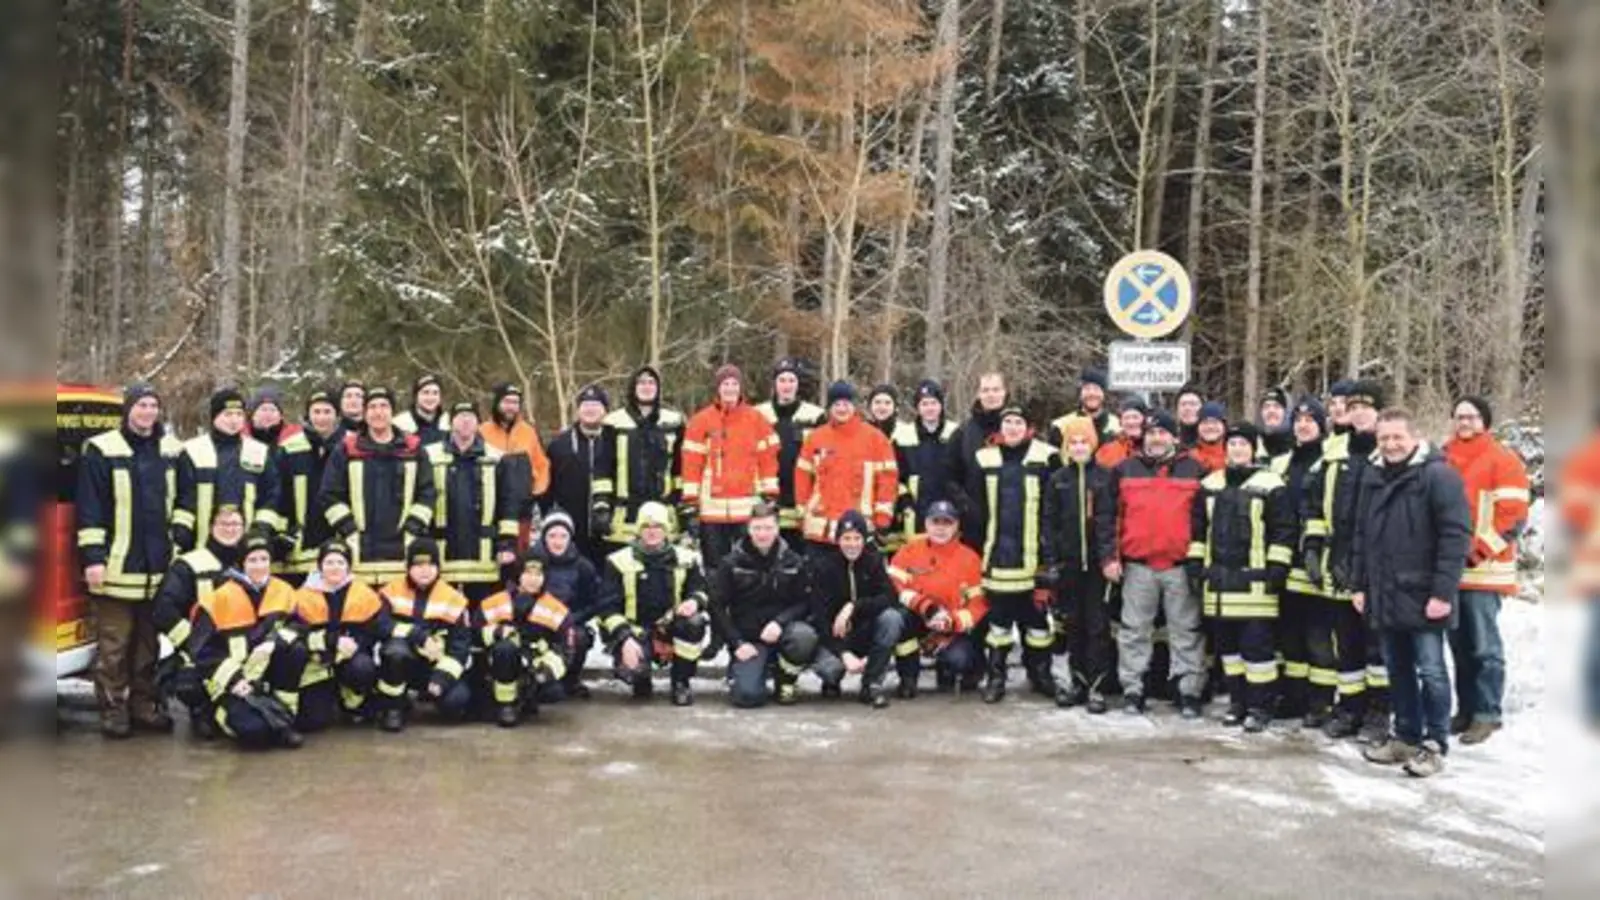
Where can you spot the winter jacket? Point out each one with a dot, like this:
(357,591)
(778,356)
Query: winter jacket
(323,614)
(922,461)
(126,488)
(843,467)
(540,625)
(520,437)
(1106,425)
(379,496)
(193,577)
(752,588)
(932,577)
(570,578)
(1244,530)
(1071,515)
(427,428)
(641,587)
(1328,507)
(478,493)
(1011,485)
(302,461)
(836,581)
(414,615)
(1497,494)
(218,469)
(231,622)
(575,455)
(1580,511)
(1211,457)
(730,458)
(641,464)
(1295,468)
(792,423)
(1112,453)
(1274,443)
(1413,532)
(1144,511)
(960,461)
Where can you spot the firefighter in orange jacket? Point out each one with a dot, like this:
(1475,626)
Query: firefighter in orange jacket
(337,618)
(513,435)
(251,682)
(520,633)
(1497,492)
(1210,448)
(940,580)
(1129,440)
(843,465)
(730,460)
(426,641)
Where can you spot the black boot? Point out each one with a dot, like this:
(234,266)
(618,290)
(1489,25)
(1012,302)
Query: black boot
(1317,715)
(875,696)
(1291,703)
(1256,721)
(1095,702)
(1040,678)
(832,690)
(681,694)
(202,727)
(289,739)
(392,720)
(907,688)
(1346,721)
(1375,723)
(1236,713)
(643,687)
(507,716)
(788,692)
(1070,695)
(944,681)
(995,689)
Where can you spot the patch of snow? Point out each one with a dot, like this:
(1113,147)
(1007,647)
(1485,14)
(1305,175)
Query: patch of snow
(1275,800)
(618,769)
(1448,852)
(1383,790)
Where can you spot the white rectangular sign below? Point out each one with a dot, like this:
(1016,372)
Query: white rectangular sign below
(1148,365)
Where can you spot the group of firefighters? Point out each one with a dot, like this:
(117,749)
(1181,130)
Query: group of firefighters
(370,558)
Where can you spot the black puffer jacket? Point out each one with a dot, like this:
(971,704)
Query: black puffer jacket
(963,450)
(571,578)
(754,588)
(836,581)
(1413,531)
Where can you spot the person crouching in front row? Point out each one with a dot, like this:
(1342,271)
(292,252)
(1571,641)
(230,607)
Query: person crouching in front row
(426,641)
(855,611)
(760,599)
(522,635)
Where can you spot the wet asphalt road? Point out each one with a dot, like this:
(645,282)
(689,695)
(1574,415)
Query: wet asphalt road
(613,799)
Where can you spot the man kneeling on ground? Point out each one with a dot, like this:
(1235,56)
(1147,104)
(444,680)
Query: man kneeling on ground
(856,611)
(760,599)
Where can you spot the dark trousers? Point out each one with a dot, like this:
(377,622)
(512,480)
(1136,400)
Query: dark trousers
(349,689)
(795,649)
(684,637)
(1419,685)
(1363,678)
(401,668)
(125,660)
(875,639)
(1017,609)
(1305,641)
(717,540)
(1082,605)
(958,658)
(577,640)
(1249,661)
(258,720)
(1479,656)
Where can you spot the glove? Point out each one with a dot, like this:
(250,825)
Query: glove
(1313,562)
(600,520)
(1277,578)
(1049,578)
(182,538)
(347,528)
(688,518)
(1341,575)
(414,528)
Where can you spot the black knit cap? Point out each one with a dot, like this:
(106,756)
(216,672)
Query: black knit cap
(1213,410)
(1011,409)
(256,541)
(320,395)
(1341,388)
(885,390)
(422,550)
(463,407)
(332,548)
(841,390)
(424,381)
(930,388)
(135,392)
(225,399)
(852,520)
(267,394)
(1094,377)
(1481,404)
(1311,406)
(594,393)
(379,393)
(1134,404)
(788,364)
(1192,389)
(1160,418)
(503,390)
(1368,392)
(350,383)
(1244,430)
(1275,395)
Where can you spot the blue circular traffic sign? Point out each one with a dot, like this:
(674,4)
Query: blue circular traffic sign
(1148,294)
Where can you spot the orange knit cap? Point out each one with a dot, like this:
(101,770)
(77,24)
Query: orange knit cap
(1080,426)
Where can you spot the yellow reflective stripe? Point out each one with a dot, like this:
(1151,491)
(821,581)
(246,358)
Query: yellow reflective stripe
(1296,669)
(505,692)
(688,651)
(403,629)
(357,472)
(391,690)
(441,481)
(249,504)
(449,665)
(1513,494)
(1280,554)
(487,480)
(1316,528)
(302,503)
(91,537)
(907,647)
(1324,678)
(122,519)
(964,619)
(337,513)
(630,594)
(991,487)
(183,519)
(179,633)
(408,494)
(999,638)
(1258,534)
(1197,550)
(622,488)
(1038,638)
(1232,665)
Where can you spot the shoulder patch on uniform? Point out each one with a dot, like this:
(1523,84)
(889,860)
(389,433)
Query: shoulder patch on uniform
(1216,481)
(905,434)
(687,558)
(253,454)
(1264,481)
(988,457)
(1039,453)
(111,443)
(670,417)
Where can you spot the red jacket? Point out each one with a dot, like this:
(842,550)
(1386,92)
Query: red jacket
(931,577)
(1211,457)
(1580,509)
(843,467)
(1110,455)
(1497,493)
(730,459)
(1143,511)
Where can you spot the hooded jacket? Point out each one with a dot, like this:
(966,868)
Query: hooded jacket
(1412,535)
(643,462)
(127,485)
(1244,530)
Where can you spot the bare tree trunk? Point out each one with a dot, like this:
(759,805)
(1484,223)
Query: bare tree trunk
(118,207)
(149,227)
(1252,323)
(997,27)
(1202,153)
(360,52)
(1163,154)
(67,275)
(300,171)
(949,40)
(232,196)
(1142,171)
(901,245)
(1080,37)
(789,278)
(649,141)
(1513,252)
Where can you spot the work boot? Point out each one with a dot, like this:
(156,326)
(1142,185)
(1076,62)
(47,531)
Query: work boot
(1479,731)
(1256,721)
(1317,716)
(1096,703)
(114,724)
(1428,760)
(643,687)
(289,739)
(155,721)
(944,681)
(1236,713)
(576,690)
(1375,724)
(788,693)
(1191,707)
(392,720)
(1459,723)
(681,693)
(1133,704)
(202,727)
(1291,703)
(1343,724)
(906,689)
(832,690)
(1392,752)
(507,716)
(1042,681)
(1068,697)
(994,690)
(875,696)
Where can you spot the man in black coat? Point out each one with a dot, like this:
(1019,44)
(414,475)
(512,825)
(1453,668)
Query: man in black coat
(1412,535)
(855,611)
(760,599)
(576,453)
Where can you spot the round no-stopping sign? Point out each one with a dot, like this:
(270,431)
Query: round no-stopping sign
(1148,294)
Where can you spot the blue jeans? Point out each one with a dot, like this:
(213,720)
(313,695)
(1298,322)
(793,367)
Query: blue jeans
(1591,681)
(1479,656)
(1419,686)
(795,650)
